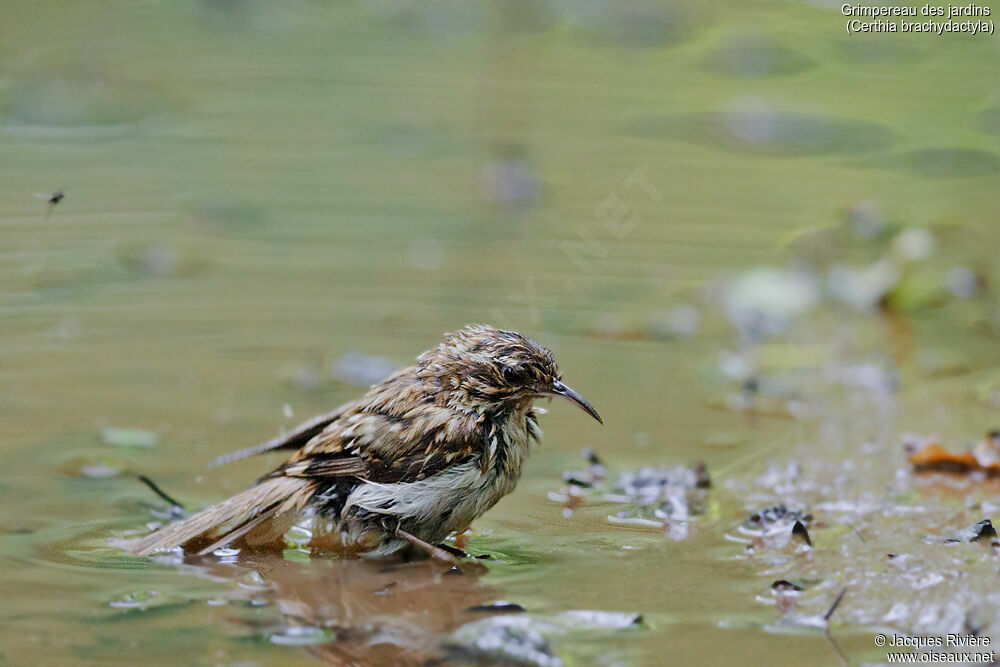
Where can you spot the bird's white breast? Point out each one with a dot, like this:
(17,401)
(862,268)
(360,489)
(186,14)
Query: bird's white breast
(449,501)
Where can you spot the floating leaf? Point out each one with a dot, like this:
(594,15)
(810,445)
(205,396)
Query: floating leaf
(985,456)
(129,437)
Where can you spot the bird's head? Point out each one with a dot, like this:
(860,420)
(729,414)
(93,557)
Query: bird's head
(487,368)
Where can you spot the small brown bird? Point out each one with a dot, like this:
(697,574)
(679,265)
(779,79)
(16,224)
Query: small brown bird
(418,458)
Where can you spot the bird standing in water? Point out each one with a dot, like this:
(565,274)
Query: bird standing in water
(418,458)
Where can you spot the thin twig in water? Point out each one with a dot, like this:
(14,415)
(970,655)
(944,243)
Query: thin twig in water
(158,491)
(826,617)
(836,603)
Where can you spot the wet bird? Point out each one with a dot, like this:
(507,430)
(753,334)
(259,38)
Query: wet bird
(418,458)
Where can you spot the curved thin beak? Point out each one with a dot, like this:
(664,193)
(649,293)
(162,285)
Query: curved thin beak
(559,389)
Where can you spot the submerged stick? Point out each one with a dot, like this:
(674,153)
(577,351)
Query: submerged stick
(158,491)
(826,617)
(836,603)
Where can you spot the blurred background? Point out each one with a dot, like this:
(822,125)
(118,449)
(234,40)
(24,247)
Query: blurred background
(749,238)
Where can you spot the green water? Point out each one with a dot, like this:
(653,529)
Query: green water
(253,190)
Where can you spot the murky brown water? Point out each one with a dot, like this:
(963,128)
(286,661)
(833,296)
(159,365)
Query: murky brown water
(253,191)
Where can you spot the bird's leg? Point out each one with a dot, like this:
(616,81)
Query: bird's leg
(436,553)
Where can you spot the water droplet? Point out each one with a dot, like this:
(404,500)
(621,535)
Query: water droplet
(302,635)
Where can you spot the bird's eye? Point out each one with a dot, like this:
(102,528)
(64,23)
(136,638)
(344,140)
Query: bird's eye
(513,376)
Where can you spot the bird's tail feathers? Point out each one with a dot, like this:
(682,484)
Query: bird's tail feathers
(234,517)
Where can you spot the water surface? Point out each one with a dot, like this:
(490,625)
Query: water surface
(254,190)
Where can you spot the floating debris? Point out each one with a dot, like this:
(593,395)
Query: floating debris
(867,219)
(584,619)
(577,481)
(662,498)
(862,288)
(784,595)
(99,471)
(571,479)
(92,466)
(571,498)
(591,456)
(836,603)
(800,531)
(964,282)
(775,527)
(226,555)
(927,455)
(501,606)
(812,621)
(981,530)
(680,322)
(302,635)
(176,509)
(765,301)
(648,485)
(782,480)
(785,586)
(498,639)
(776,519)
(913,244)
(129,437)
(138,600)
(635,521)
(523,639)
(253,581)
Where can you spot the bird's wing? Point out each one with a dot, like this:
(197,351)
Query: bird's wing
(400,385)
(390,448)
(294,439)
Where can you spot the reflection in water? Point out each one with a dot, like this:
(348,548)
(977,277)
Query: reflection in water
(359,612)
